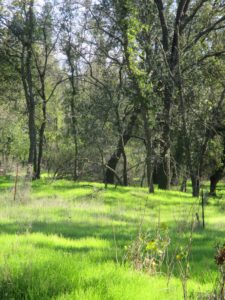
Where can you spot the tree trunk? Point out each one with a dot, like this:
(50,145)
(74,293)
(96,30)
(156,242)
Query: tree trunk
(162,178)
(218,174)
(112,163)
(125,179)
(28,91)
(27,80)
(74,130)
(123,140)
(155,174)
(74,88)
(32,158)
(216,177)
(164,167)
(174,176)
(149,150)
(143,177)
(195,185)
(41,139)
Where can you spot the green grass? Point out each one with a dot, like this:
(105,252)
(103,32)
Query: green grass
(67,241)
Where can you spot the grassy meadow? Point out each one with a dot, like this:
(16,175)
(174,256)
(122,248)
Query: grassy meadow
(64,240)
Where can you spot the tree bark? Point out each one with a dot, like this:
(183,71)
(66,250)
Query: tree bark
(164,168)
(218,174)
(41,139)
(32,158)
(123,140)
(27,80)
(73,85)
(74,130)
(171,57)
(125,179)
(195,186)
(149,150)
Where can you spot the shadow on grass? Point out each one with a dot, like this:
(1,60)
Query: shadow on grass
(95,255)
(72,250)
(72,230)
(6,182)
(202,266)
(202,249)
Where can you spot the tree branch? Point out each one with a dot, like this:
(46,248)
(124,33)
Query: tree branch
(191,17)
(165,34)
(205,32)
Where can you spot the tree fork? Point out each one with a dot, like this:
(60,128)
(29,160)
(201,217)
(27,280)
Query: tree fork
(123,140)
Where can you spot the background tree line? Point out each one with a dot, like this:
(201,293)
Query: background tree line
(122,91)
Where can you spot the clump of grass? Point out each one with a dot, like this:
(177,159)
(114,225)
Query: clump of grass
(149,250)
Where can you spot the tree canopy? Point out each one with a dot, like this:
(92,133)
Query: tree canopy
(120,91)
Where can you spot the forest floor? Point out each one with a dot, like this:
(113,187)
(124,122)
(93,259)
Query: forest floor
(63,240)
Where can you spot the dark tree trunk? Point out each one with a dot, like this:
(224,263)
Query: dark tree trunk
(31,102)
(162,178)
(174,176)
(123,140)
(218,174)
(112,163)
(125,179)
(214,179)
(27,80)
(172,56)
(32,158)
(195,185)
(28,91)
(155,175)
